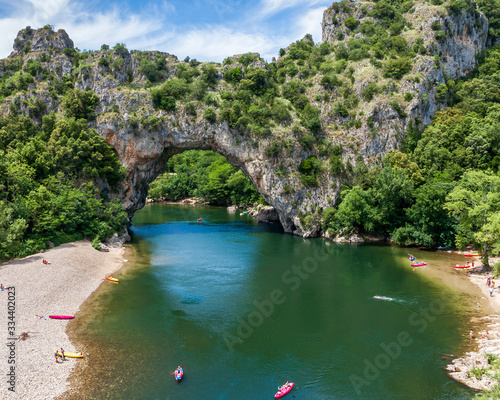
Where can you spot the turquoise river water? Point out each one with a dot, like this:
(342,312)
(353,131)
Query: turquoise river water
(244,308)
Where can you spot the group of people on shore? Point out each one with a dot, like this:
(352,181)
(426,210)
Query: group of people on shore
(59,355)
(491,284)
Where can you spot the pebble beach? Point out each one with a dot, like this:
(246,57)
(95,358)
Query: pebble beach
(59,288)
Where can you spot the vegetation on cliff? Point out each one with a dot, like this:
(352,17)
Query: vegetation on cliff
(444,188)
(46,181)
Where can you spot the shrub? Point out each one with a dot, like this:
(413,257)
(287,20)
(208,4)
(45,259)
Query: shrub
(34,67)
(351,23)
(273,149)
(330,81)
(233,75)
(80,104)
(247,59)
(151,70)
(441,92)
(370,91)
(120,48)
(210,115)
(439,35)
(436,25)
(209,74)
(190,109)
(165,96)
(307,141)
(397,68)
(309,169)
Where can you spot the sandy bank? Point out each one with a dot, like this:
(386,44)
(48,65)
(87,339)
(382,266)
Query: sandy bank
(59,288)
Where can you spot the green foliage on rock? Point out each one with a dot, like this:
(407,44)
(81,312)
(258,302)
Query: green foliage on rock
(46,181)
(80,104)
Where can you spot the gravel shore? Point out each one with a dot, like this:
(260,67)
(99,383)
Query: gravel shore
(58,288)
(474,368)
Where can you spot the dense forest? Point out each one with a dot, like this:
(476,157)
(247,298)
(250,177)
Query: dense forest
(47,190)
(205,175)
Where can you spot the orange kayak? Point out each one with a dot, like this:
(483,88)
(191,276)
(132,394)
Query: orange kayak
(110,278)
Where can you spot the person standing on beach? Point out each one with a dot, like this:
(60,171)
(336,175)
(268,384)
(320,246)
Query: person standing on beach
(63,357)
(488,281)
(56,355)
(491,291)
(471,334)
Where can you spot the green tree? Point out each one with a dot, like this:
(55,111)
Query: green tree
(80,104)
(473,202)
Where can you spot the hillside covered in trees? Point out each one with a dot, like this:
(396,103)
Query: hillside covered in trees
(335,135)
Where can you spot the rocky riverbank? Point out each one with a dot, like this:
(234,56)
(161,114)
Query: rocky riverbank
(480,369)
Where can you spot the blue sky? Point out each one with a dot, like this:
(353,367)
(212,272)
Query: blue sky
(208,30)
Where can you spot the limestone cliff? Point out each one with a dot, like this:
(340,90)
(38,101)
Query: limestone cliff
(145,136)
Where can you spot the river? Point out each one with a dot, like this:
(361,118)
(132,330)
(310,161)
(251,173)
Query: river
(244,308)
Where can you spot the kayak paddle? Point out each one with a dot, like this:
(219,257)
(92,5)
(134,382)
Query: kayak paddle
(176,370)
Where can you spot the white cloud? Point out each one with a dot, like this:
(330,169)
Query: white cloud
(216,43)
(90,26)
(310,22)
(88,30)
(270,7)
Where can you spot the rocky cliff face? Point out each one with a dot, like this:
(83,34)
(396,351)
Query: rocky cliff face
(144,137)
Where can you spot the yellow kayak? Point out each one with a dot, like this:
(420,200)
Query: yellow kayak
(71,355)
(110,278)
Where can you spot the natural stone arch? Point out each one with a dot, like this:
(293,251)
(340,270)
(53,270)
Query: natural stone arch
(145,155)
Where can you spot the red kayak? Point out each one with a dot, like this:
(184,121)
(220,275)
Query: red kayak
(420,264)
(472,255)
(61,316)
(462,266)
(200,219)
(284,392)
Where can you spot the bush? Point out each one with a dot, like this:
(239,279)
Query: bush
(397,68)
(233,75)
(330,81)
(120,48)
(165,96)
(247,59)
(80,104)
(273,149)
(436,25)
(210,115)
(408,96)
(307,141)
(351,23)
(370,91)
(441,92)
